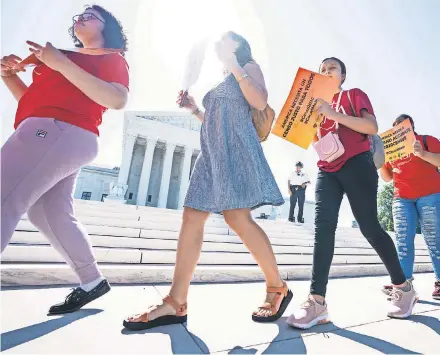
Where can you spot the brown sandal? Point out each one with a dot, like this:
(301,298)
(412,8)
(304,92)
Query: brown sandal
(281,292)
(145,323)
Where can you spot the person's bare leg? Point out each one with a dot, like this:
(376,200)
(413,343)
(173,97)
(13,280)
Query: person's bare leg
(189,247)
(258,244)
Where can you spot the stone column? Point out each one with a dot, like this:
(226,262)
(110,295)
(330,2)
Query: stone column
(146,171)
(166,175)
(184,179)
(119,188)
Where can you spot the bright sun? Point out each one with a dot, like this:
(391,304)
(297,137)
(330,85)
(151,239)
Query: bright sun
(167,30)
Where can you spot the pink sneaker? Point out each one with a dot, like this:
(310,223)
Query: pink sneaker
(402,302)
(311,313)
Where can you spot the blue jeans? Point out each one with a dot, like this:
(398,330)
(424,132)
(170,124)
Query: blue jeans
(406,213)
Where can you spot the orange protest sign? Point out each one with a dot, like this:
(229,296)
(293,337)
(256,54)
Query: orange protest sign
(398,141)
(297,122)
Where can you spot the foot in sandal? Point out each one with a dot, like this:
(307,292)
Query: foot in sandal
(169,312)
(277,300)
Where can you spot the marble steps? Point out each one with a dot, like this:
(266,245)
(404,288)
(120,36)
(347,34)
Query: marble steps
(162,240)
(25,238)
(138,244)
(45,253)
(61,274)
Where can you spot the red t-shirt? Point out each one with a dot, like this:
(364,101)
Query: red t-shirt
(413,177)
(354,142)
(52,95)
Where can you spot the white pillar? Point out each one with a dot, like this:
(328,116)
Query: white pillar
(166,175)
(127,156)
(118,189)
(184,179)
(146,172)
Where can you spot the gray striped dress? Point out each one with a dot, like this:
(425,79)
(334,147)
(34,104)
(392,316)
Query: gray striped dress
(231,170)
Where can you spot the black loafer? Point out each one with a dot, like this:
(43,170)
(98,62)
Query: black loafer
(79,298)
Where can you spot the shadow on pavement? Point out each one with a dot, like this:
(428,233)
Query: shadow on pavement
(294,344)
(20,336)
(431,322)
(429,302)
(173,331)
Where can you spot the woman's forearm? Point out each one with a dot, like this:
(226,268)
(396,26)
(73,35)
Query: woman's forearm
(15,85)
(104,93)
(386,174)
(255,95)
(432,158)
(365,125)
(200,115)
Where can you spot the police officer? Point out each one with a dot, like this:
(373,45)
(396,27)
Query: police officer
(297,185)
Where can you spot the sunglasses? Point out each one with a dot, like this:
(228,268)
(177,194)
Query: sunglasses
(85,17)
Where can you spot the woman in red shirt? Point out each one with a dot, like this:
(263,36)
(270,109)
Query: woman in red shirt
(416,199)
(56,134)
(351,117)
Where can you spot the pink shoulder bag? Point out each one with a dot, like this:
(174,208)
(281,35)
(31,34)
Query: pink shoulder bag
(329,147)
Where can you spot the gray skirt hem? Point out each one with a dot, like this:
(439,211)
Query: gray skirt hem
(229,207)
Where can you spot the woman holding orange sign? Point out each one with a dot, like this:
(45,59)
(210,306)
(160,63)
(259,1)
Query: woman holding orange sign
(346,166)
(56,134)
(416,199)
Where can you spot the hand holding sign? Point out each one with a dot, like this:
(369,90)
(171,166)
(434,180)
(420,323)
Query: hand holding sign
(418,149)
(399,142)
(299,118)
(323,108)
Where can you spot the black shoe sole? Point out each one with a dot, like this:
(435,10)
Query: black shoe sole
(98,294)
(165,320)
(436,297)
(285,302)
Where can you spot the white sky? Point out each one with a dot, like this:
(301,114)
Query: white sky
(390,49)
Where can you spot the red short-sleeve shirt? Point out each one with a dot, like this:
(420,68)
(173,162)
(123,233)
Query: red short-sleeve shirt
(52,95)
(413,177)
(354,142)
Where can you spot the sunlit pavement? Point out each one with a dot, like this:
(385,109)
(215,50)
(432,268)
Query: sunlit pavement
(219,320)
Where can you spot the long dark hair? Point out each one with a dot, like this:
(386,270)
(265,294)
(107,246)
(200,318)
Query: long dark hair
(341,63)
(113,33)
(243,52)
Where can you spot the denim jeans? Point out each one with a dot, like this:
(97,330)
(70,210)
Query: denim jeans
(406,213)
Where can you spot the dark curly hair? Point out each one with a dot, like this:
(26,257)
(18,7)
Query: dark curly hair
(114,36)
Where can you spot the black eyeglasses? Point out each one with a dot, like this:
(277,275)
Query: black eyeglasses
(86,17)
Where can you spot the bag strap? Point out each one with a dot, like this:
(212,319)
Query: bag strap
(338,104)
(337,110)
(355,115)
(351,103)
(425,143)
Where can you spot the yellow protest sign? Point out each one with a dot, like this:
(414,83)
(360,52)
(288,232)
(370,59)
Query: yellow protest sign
(398,141)
(297,122)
